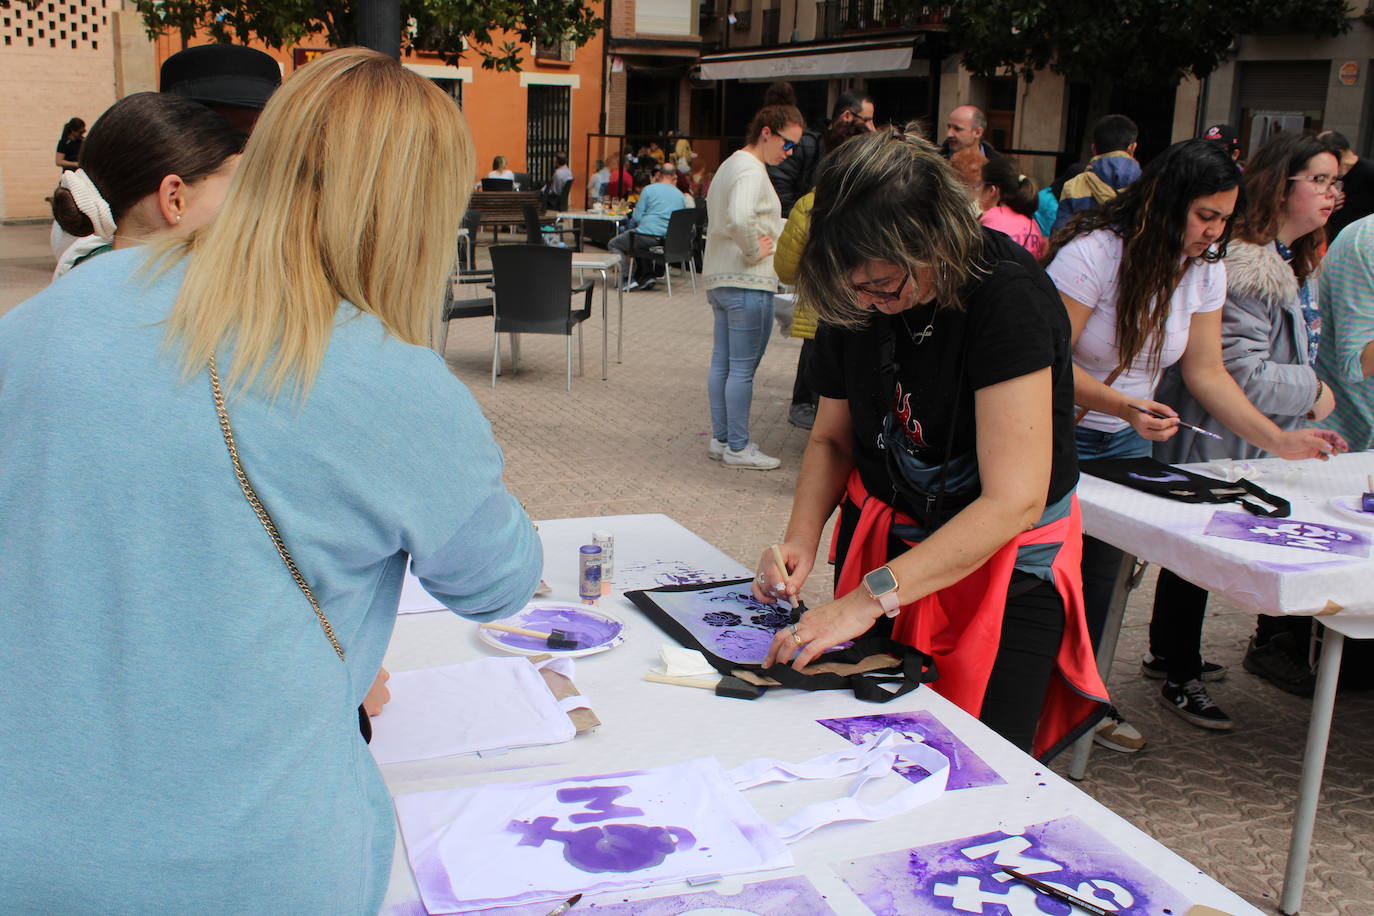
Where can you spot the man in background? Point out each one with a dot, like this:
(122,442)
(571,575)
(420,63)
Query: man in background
(796,175)
(647,226)
(1111,168)
(964,129)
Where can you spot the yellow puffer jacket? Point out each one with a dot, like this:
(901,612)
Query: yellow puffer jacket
(787,258)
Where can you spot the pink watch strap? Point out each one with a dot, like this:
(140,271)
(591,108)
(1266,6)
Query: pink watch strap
(891,604)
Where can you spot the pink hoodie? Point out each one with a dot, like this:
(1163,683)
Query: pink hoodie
(1023,230)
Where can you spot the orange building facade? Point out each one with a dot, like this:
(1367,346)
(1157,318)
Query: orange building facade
(74,58)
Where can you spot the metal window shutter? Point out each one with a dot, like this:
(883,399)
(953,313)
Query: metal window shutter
(1284,85)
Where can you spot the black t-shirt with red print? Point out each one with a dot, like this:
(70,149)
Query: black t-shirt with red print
(910,378)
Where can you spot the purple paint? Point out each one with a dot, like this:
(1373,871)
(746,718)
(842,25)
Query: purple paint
(599,802)
(966,769)
(1287,532)
(728,620)
(609,848)
(965,875)
(667,572)
(589,630)
(1168,477)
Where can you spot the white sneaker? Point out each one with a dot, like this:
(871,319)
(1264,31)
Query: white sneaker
(749,457)
(715,450)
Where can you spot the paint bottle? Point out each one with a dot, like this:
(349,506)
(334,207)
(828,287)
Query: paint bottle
(606,541)
(589,574)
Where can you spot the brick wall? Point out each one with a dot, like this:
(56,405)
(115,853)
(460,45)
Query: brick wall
(57,61)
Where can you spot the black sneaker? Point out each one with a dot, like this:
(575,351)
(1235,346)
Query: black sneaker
(1154,666)
(1282,663)
(648,284)
(1193,704)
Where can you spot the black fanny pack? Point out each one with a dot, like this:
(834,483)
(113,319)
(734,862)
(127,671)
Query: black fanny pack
(1160,479)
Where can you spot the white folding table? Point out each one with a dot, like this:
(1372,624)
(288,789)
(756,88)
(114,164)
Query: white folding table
(646,725)
(1265,578)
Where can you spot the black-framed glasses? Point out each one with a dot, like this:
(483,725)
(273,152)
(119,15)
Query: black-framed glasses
(1323,183)
(881,295)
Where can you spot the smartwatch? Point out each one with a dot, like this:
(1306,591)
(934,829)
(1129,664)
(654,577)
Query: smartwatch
(882,586)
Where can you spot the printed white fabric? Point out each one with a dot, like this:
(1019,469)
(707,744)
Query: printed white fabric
(482,705)
(521,843)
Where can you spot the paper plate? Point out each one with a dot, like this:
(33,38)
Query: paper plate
(1350,506)
(594,629)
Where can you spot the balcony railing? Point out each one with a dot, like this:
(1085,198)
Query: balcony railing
(843,18)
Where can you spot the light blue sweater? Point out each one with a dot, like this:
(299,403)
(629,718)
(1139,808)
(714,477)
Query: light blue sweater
(180,736)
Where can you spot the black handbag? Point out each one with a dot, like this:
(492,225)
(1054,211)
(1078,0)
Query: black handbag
(907,668)
(1160,479)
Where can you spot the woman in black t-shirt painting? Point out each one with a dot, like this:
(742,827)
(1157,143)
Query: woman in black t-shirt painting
(945,436)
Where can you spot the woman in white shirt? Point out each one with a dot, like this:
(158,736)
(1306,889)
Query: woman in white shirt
(745,222)
(1142,279)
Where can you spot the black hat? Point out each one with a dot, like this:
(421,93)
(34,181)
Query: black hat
(222,75)
(1224,135)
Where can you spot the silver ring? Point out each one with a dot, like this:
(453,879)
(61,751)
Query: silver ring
(796,637)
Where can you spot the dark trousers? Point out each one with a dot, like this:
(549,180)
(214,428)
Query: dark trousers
(801,389)
(1176,626)
(1032,627)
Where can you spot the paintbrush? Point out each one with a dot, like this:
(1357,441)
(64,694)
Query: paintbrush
(727,686)
(557,639)
(1057,894)
(781,564)
(565,906)
(1159,416)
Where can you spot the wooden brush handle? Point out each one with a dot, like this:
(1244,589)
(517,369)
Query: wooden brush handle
(680,681)
(518,631)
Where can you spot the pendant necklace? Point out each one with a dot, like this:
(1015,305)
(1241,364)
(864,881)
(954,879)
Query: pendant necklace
(920,338)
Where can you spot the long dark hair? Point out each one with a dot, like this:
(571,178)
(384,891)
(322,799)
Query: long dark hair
(1151,216)
(1266,186)
(1014,190)
(140,140)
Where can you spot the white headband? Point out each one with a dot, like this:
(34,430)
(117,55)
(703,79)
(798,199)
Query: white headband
(90,202)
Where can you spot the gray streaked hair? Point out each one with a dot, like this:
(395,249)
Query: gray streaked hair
(888,196)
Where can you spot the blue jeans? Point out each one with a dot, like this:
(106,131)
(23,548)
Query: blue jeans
(743,320)
(1100,559)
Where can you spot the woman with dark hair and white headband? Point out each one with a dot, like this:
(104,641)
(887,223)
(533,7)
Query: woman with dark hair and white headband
(154,166)
(944,436)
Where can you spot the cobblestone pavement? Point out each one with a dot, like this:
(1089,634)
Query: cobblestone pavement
(637,443)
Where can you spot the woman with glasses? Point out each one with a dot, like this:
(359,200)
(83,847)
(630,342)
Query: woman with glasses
(745,220)
(944,436)
(1142,280)
(1269,335)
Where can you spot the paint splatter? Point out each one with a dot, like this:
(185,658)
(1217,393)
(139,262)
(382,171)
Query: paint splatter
(656,573)
(965,875)
(966,769)
(611,847)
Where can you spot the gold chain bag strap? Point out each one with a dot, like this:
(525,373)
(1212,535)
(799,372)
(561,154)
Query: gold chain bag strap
(261,510)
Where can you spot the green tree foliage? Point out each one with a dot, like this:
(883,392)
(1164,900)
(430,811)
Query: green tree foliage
(446,27)
(1126,42)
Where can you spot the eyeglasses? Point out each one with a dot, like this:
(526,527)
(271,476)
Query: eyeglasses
(882,295)
(787,145)
(1323,183)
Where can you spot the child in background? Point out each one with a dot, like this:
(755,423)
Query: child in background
(1008,201)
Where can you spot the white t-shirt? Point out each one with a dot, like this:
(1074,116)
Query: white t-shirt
(1086,270)
(504,173)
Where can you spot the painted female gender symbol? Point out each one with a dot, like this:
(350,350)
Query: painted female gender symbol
(613,847)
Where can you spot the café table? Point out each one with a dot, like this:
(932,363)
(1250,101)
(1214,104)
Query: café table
(604,264)
(1333,588)
(648,725)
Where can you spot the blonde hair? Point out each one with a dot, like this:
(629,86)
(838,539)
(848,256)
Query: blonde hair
(324,208)
(887,196)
